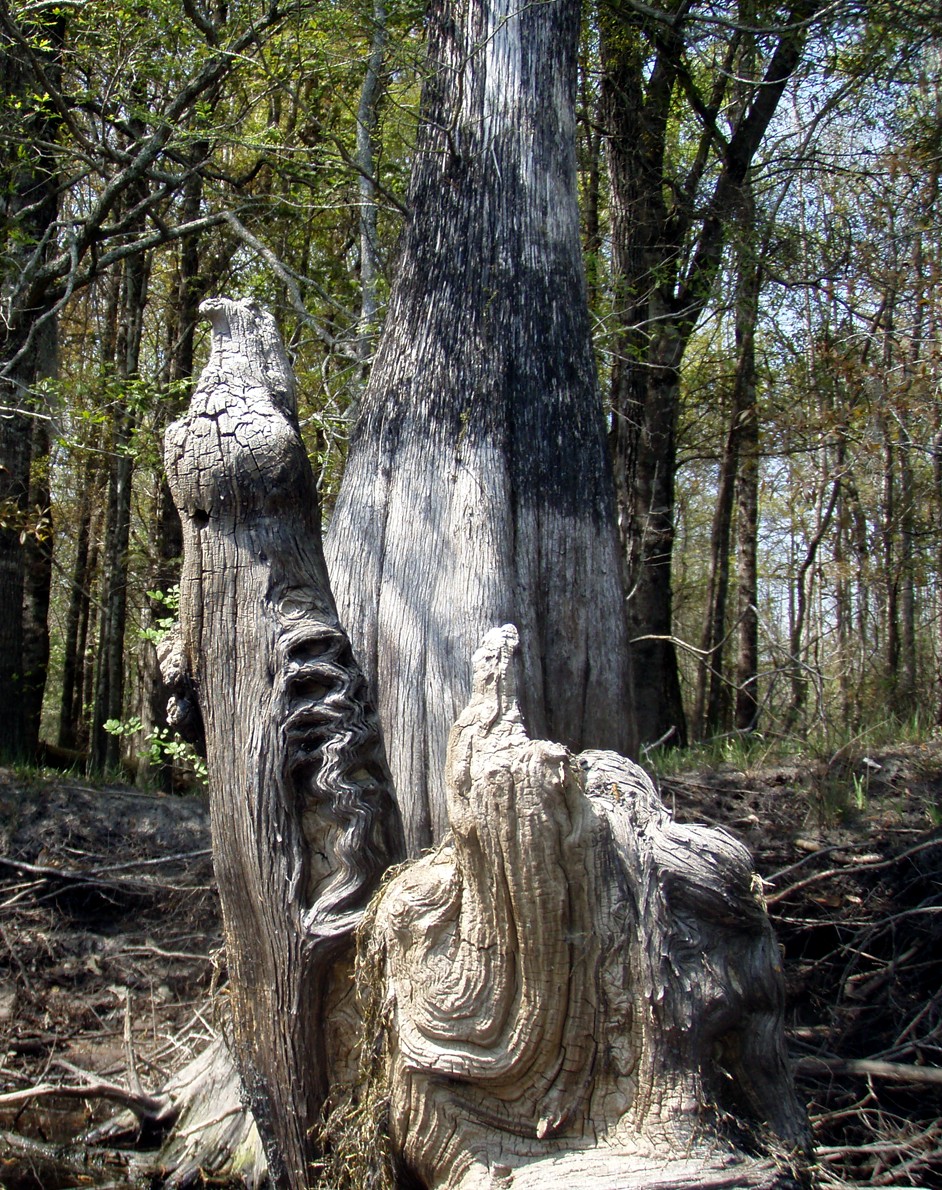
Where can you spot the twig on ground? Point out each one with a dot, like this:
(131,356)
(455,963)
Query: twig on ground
(143,1106)
(181,955)
(869,865)
(870,1068)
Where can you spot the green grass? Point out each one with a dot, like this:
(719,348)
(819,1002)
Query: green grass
(825,743)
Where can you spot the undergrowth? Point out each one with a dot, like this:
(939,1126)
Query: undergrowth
(825,744)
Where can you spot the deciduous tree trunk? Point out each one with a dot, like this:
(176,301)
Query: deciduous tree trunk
(668,237)
(109,676)
(29,206)
(712,696)
(37,586)
(747,569)
(76,627)
(190,287)
(367,115)
(477,488)
(15,440)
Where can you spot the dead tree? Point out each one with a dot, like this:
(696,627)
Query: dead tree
(580,991)
(572,986)
(302,815)
(477,488)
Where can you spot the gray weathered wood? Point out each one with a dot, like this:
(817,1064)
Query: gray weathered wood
(571,987)
(477,488)
(579,990)
(302,814)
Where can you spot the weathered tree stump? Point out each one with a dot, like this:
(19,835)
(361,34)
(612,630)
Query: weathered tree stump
(302,815)
(572,986)
(579,990)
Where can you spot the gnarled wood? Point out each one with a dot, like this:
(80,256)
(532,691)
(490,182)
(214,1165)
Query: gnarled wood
(573,986)
(579,988)
(302,813)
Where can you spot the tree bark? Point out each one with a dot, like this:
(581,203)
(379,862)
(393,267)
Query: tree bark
(29,206)
(38,545)
(477,488)
(105,752)
(668,237)
(712,699)
(76,626)
(15,440)
(37,587)
(367,113)
(644,398)
(747,572)
(937,493)
(302,817)
(798,665)
(190,287)
(906,679)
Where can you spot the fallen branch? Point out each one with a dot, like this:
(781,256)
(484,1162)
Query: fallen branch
(870,1068)
(145,1107)
(89,879)
(870,865)
(182,956)
(29,1162)
(67,875)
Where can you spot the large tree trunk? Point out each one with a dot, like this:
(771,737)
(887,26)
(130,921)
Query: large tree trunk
(15,441)
(571,986)
(37,585)
(668,237)
(656,693)
(477,488)
(29,206)
(105,752)
(303,823)
(645,382)
(189,286)
(73,664)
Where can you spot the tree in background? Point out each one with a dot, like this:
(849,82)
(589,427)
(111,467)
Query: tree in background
(30,183)
(94,178)
(281,178)
(155,128)
(681,66)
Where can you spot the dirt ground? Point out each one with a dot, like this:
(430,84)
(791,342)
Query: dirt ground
(109,942)
(110,945)
(851,855)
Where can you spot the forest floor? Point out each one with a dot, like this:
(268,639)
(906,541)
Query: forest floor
(110,946)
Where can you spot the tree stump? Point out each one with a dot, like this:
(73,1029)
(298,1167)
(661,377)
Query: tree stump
(579,990)
(572,986)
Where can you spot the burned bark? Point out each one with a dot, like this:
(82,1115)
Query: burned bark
(477,488)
